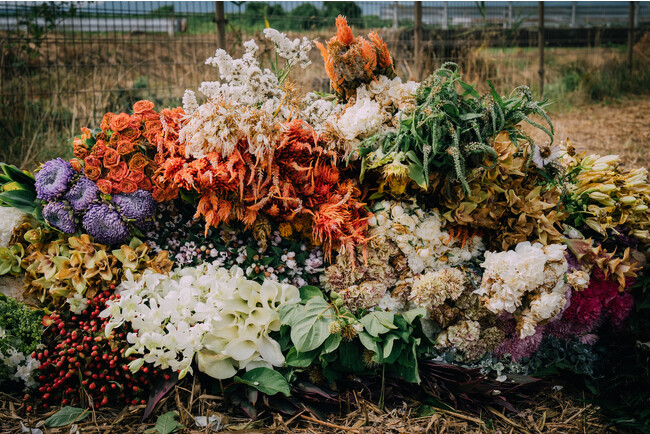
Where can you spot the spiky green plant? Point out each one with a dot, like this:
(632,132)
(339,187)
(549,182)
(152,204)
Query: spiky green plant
(450,131)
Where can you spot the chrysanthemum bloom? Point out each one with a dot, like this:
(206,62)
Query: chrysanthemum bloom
(105,225)
(53,178)
(82,194)
(138,205)
(60,217)
(350,61)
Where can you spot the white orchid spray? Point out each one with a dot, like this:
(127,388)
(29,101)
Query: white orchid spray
(214,313)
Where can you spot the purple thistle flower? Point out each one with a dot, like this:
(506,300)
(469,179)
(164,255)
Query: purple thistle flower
(82,194)
(105,225)
(139,205)
(60,217)
(53,178)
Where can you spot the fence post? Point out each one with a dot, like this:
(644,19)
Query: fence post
(510,15)
(574,6)
(417,37)
(395,15)
(445,15)
(221,25)
(630,38)
(540,39)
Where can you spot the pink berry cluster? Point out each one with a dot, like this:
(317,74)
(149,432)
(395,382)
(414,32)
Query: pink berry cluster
(79,364)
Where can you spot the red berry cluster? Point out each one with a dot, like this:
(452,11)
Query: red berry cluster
(80,364)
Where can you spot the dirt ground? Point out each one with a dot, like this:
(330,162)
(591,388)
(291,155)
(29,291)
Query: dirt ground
(621,128)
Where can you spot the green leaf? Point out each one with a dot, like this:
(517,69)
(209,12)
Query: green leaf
(469,89)
(412,314)
(66,416)
(470,116)
(377,323)
(307,292)
(265,380)
(166,424)
(299,360)
(310,324)
(392,348)
(331,344)
(368,341)
(416,173)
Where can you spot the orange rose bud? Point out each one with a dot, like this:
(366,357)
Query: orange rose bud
(124,147)
(93,161)
(138,162)
(105,186)
(111,158)
(128,186)
(120,122)
(136,176)
(142,106)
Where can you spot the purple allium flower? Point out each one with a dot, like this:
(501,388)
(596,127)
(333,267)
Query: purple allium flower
(60,217)
(53,178)
(82,194)
(138,205)
(105,225)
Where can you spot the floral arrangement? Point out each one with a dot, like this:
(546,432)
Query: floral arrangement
(264,238)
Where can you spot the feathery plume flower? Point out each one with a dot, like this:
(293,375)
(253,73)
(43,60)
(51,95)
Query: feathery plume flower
(105,225)
(82,194)
(60,217)
(53,178)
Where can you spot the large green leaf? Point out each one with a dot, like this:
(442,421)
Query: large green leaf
(166,424)
(265,380)
(310,324)
(377,323)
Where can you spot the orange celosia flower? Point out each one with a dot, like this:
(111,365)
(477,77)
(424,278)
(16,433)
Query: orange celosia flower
(350,62)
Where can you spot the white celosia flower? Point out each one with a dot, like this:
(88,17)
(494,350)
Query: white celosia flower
(531,272)
(578,280)
(361,120)
(9,218)
(211,312)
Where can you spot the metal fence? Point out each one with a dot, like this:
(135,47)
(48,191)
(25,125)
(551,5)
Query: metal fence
(67,63)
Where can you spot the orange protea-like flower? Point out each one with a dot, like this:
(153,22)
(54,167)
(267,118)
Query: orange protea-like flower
(351,62)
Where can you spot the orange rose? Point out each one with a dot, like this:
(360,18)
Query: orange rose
(105,186)
(124,147)
(119,173)
(150,116)
(142,106)
(93,172)
(76,164)
(91,160)
(80,151)
(130,134)
(106,121)
(111,158)
(99,150)
(120,122)
(145,184)
(138,162)
(136,176)
(128,186)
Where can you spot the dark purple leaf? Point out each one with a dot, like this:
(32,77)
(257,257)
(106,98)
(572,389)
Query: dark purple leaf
(160,388)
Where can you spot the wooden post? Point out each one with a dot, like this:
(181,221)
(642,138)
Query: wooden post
(417,38)
(395,15)
(630,38)
(221,25)
(574,6)
(540,39)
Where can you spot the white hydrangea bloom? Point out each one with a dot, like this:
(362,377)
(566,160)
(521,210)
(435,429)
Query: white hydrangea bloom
(9,218)
(211,312)
(421,237)
(532,273)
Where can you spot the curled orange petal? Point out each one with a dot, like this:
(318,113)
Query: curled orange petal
(343,31)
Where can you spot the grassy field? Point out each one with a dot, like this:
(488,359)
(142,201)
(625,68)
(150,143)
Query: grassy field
(65,84)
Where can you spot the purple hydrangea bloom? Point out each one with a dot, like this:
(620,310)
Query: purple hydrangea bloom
(82,194)
(60,217)
(139,205)
(105,225)
(53,178)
